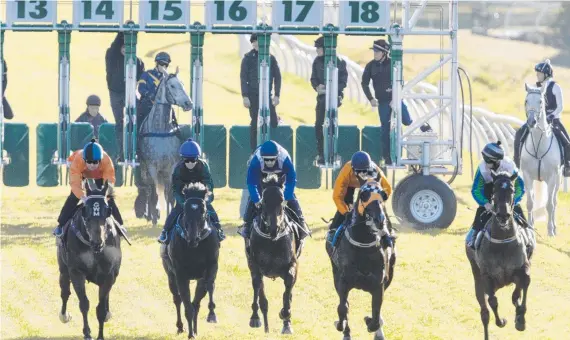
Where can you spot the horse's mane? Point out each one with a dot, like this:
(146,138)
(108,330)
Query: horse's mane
(195,190)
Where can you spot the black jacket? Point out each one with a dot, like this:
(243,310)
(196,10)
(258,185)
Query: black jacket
(5,77)
(318,75)
(250,78)
(115,65)
(379,73)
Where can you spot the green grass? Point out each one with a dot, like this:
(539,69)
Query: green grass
(432,295)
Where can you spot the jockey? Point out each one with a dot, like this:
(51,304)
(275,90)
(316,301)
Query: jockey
(554,107)
(148,84)
(272,158)
(353,175)
(190,169)
(90,163)
(482,190)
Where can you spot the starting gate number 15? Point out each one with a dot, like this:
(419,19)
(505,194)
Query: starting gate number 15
(164,12)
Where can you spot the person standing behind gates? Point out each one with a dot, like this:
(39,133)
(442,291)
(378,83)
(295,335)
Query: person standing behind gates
(115,67)
(8,114)
(379,71)
(318,82)
(249,76)
(92,114)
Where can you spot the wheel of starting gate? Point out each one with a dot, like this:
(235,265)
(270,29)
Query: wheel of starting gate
(425,202)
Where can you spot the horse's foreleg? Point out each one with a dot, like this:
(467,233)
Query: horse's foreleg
(210,286)
(256,282)
(177,301)
(480,294)
(493,302)
(264,305)
(78,281)
(524,281)
(198,296)
(65,286)
(285,314)
(102,307)
(342,290)
(374,324)
(551,204)
(184,290)
(529,199)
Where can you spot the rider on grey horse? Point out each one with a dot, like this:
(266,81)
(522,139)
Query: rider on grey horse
(554,107)
(191,169)
(493,161)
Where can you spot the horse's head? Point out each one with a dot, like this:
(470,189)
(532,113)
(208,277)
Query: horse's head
(95,213)
(195,212)
(503,196)
(535,107)
(272,212)
(370,204)
(171,91)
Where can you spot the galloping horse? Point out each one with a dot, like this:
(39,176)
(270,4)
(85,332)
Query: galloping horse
(362,261)
(503,256)
(92,252)
(272,253)
(540,157)
(192,254)
(159,144)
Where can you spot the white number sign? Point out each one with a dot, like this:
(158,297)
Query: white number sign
(31,12)
(226,12)
(365,14)
(164,12)
(297,13)
(94,11)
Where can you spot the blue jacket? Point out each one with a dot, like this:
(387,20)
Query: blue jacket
(283,168)
(148,84)
(482,189)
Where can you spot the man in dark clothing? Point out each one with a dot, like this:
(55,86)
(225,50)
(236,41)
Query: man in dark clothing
(379,71)
(92,114)
(8,114)
(318,82)
(249,76)
(115,67)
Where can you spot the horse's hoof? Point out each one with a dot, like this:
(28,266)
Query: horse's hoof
(100,339)
(108,316)
(340,325)
(501,323)
(87,338)
(520,323)
(372,325)
(65,318)
(180,331)
(254,323)
(347,338)
(212,318)
(379,335)
(287,329)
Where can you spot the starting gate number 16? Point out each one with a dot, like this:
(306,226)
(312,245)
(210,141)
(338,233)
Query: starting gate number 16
(222,12)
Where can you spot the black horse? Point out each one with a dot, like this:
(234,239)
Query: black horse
(503,256)
(192,254)
(362,260)
(272,252)
(92,252)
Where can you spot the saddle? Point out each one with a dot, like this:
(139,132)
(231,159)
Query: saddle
(560,138)
(524,235)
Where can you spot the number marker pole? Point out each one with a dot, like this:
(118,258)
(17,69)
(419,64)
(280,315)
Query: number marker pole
(63,126)
(2,160)
(197,66)
(264,64)
(397,84)
(130,119)
(330,126)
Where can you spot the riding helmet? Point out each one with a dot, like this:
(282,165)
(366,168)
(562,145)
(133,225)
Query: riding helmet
(190,149)
(162,57)
(545,68)
(493,152)
(361,161)
(380,45)
(253,38)
(94,100)
(269,149)
(92,151)
(320,42)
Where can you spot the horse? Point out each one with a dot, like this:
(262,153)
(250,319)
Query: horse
(272,252)
(192,254)
(540,147)
(92,252)
(159,144)
(362,261)
(503,256)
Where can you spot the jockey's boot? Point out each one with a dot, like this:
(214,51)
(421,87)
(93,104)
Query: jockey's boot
(566,171)
(320,160)
(426,128)
(221,233)
(163,236)
(245,230)
(58,231)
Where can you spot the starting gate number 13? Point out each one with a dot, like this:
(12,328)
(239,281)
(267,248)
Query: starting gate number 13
(223,12)
(365,13)
(298,13)
(102,11)
(164,12)
(31,11)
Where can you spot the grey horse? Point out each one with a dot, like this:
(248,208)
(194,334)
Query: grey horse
(502,256)
(159,142)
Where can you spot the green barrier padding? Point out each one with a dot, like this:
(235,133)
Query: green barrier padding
(348,144)
(46,172)
(372,142)
(240,151)
(108,140)
(17,147)
(308,175)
